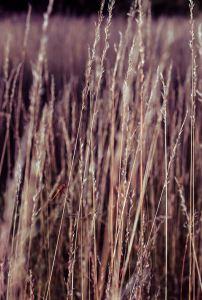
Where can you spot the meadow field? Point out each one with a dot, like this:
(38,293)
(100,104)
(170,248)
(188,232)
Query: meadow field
(101,156)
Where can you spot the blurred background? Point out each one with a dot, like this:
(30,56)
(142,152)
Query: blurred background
(87,7)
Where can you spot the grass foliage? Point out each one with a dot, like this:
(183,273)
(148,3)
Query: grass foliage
(100,157)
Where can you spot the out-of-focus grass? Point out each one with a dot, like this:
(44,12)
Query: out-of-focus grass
(68,40)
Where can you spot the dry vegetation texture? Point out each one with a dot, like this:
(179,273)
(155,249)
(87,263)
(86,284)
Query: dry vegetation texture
(100,157)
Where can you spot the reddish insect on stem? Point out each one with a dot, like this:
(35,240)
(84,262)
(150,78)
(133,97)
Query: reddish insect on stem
(60,189)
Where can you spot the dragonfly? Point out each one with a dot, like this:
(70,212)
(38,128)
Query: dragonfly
(59,191)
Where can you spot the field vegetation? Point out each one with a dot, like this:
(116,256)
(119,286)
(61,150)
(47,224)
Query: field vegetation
(100,156)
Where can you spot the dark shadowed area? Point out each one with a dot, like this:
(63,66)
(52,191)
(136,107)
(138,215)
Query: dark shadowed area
(86,7)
